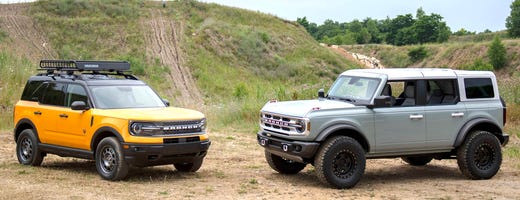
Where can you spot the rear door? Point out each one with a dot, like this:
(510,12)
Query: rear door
(444,113)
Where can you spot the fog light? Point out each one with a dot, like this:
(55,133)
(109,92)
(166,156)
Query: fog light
(298,148)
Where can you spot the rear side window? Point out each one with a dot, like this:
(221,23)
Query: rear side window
(33,90)
(479,88)
(54,95)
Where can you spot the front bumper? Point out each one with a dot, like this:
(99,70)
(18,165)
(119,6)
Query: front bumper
(142,155)
(292,150)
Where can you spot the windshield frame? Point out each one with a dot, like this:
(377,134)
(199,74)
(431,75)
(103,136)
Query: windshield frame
(151,93)
(354,99)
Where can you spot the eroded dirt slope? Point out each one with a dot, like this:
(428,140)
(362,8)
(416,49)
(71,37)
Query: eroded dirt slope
(162,38)
(25,38)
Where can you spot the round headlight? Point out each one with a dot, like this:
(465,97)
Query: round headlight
(136,128)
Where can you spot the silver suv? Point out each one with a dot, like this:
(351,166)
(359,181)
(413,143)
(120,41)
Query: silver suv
(415,114)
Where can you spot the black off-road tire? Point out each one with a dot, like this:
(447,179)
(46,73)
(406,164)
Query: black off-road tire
(417,160)
(282,165)
(480,156)
(340,162)
(110,162)
(189,167)
(27,150)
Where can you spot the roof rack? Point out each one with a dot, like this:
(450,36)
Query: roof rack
(84,65)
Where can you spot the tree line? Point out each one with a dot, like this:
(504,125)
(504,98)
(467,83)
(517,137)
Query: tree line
(401,30)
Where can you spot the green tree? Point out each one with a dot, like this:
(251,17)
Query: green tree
(497,53)
(513,20)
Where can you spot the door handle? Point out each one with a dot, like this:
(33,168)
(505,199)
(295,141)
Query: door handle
(416,117)
(64,116)
(37,113)
(457,114)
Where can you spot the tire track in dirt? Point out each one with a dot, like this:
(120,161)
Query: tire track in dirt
(162,38)
(25,37)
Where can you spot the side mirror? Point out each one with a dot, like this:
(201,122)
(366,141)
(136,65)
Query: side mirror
(321,93)
(382,101)
(166,102)
(79,105)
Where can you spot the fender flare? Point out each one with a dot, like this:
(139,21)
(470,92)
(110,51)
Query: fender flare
(25,121)
(468,126)
(324,134)
(102,130)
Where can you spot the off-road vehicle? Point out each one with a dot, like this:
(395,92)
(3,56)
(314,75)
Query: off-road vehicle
(416,114)
(97,110)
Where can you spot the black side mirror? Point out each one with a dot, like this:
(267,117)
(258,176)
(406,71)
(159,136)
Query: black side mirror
(382,101)
(79,105)
(321,93)
(166,102)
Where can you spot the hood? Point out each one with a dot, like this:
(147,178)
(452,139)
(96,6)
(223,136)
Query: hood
(152,114)
(301,108)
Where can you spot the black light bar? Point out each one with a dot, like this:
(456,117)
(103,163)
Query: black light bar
(84,65)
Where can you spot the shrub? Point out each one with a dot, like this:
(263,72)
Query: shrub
(478,65)
(417,54)
(497,53)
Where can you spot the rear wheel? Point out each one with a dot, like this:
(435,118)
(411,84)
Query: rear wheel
(283,166)
(189,167)
(110,162)
(480,156)
(417,160)
(27,150)
(340,162)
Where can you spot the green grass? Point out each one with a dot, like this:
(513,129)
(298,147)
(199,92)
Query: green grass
(14,72)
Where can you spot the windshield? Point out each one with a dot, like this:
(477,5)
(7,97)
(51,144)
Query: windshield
(352,89)
(113,97)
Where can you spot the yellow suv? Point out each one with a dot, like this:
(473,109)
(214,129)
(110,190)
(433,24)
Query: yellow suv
(96,110)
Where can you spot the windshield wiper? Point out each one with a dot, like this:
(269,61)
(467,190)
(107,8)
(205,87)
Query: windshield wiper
(341,99)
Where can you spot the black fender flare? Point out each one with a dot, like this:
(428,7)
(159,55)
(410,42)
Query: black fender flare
(25,121)
(99,131)
(469,125)
(325,133)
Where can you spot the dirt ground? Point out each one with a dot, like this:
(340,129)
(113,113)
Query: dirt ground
(235,169)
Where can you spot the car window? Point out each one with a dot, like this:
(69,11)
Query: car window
(441,92)
(354,88)
(76,93)
(116,97)
(401,92)
(33,90)
(54,95)
(478,88)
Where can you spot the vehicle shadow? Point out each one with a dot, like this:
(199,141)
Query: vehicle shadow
(400,173)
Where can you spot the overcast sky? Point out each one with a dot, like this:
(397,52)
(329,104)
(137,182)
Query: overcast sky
(472,15)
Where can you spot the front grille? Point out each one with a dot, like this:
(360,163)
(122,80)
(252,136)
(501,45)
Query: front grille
(283,124)
(182,127)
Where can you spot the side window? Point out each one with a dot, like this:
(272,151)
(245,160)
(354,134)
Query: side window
(54,95)
(75,93)
(441,92)
(478,88)
(403,93)
(33,90)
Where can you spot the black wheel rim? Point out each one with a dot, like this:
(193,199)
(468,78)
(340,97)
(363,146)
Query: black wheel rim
(484,156)
(343,164)
(26,149)
(108,159)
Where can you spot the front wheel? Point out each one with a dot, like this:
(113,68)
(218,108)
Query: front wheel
(480,156)
(340,162)
(282,165)
(110,162)
(189,167)
(27,150)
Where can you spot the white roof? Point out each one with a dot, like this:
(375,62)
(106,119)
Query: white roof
(413,73)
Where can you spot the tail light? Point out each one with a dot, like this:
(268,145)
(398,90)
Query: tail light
(504,111)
